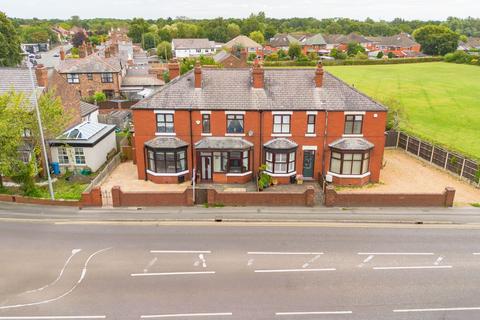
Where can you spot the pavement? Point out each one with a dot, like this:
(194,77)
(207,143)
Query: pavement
(81,270)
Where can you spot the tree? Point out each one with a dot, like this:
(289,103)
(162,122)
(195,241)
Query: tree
(436,40)
(390,55)
(78,38)
(38,34)
(233,30)
(137,28)
(164,50)
(257,36)
(380,55)
(150,40)
(294,50)
(353,48)
(10,51)
(13,115)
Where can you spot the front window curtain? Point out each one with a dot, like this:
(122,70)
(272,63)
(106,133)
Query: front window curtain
(231,162)
(235,123)
(79,156)
(311,123)
(165,123)
(161,161)
(280,161)
(353,124)
(205,123)
(281,124)
(349,163)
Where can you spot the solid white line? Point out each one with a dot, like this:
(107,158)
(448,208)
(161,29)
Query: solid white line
(170,273)
(179,251)
(415,267)
(294,270)
(396,253)
(186,315)
(476,253)
(283,253)
(82,276)
(436,309)
(311,313)
(74,252)
(53,317)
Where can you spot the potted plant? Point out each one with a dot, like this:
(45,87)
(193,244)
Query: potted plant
(299,179)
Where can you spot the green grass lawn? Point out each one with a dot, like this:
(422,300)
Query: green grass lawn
(440,101)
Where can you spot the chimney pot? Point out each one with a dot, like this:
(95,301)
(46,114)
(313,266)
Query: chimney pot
(258,75)
(319,75)
(198,74)
(62,54)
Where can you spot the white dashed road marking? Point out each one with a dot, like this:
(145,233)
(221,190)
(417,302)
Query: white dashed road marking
(185,315)
(413,267)
(312,313)
(294,270)
(437,309)
(171,273)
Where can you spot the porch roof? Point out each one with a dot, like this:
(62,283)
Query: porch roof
(223,143)
(166,143)
(354,144)
(280,144)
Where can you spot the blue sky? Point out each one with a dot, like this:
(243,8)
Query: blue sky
(357,9)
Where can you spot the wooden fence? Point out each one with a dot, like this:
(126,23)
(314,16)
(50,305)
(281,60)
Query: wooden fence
(453,162)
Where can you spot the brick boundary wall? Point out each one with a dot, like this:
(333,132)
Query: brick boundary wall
(151,199)
(92,198)
(306,198)
(351,199)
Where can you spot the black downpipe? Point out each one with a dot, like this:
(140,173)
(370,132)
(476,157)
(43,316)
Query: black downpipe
(191,143)
(325,135)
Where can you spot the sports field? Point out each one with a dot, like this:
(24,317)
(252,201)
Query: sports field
(437,101)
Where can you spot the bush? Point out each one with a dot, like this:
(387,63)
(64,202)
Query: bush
(252,56)
(25,177)
(458,57)
(97,97)
(349,62)
(380,55)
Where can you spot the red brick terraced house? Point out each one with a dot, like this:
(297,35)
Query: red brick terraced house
(225,123)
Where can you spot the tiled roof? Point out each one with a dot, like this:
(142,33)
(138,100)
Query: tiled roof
(192,44)
(282,40)
(166,143)
(315,40)
(223,143)
(285,89)
(18,79)
(90,64)
(221,55)
(342,38)
(87,108)
(403,40)
(359,144)
(142,80)
(280,144)
(243,41)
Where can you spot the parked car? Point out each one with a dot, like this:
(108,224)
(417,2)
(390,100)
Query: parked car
(38,56)
(56,55)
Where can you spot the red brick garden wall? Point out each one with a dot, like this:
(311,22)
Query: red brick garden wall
(346,199)
(151,199)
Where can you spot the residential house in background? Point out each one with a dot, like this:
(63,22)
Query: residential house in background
(185,48)
(308,42)
(231,60)
(244,42)
(401,45)
(472,43)
(225,123)
(281,41)
(341,41)
(315,43)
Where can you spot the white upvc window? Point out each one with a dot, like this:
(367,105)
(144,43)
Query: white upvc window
(63,156)
(79,156)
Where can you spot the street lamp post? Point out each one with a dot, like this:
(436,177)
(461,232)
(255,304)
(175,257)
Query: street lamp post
(40,127)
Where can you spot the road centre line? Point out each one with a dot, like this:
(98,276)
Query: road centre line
(282,253)
(476,253)
(412,267)
(396,253)
(52,317)
(312,313)
(171,273)
(180,251)
(293,270)
(178,315)
(437,309)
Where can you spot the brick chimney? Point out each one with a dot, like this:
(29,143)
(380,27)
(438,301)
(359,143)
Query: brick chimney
(62,54)
(198,75)
(89,48)
(319,75)
(173,69)
(107,52)
(82,52)
(257,75)
(42,75)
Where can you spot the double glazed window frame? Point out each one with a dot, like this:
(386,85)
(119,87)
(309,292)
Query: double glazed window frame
(206,123)
(348,161)
(235,117)
(353,124)
(165,122)
(282,123)
(273,157)
(107,77)
(311,121)
(227,158)
(158,164)
(73,78)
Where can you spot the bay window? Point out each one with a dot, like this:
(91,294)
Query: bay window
(280,161)
(349,163)
(231,161)
(167,161)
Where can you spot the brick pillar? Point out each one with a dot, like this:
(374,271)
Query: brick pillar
(189,196)
(449,196)
(330,194)
(310,197)
(211,196)
(116,196)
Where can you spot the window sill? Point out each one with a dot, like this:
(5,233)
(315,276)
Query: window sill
(281,174)
(348,135)
(310,134)
(281,135)
(234,134)
(354,176)
(167,174)
(239,174)
(171,134)
(206,134)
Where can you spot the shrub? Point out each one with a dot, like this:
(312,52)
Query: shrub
(350,62)
(380,54)
(458,57)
